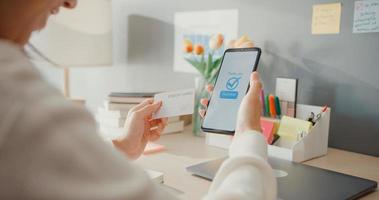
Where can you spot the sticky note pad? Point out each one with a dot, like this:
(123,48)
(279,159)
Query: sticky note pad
(326,18)
(268,130)
(290,128)
(275,121)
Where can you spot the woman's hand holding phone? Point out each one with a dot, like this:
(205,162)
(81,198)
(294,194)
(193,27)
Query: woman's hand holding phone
(249,113)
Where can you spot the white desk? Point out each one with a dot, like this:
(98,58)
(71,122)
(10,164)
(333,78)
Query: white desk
(184,149)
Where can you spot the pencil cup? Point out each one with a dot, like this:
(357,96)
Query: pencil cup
(314,144)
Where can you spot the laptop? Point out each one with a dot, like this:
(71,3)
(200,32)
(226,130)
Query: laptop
(298,182)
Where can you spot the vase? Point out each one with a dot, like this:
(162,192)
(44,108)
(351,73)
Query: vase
(200,92)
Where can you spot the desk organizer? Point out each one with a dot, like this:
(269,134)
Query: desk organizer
(313,145)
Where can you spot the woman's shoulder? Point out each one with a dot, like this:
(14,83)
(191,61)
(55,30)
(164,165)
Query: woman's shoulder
(28,100)
(22,85)
(21,82)
(19,79)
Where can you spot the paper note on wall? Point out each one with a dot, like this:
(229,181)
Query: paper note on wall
(366,16)
(326,18)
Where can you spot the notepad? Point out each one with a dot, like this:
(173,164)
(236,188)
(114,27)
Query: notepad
(366,16)
(290,128)
(268,130)
(326,18)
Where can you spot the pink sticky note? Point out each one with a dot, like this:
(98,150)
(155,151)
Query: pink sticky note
(268,130)
(153,148)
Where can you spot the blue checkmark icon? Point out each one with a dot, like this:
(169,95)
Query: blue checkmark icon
(233,83)
(231,86)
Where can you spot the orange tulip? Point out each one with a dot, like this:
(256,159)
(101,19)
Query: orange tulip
(216,41)
(246,45)
(244,41)
(232,44)
(199,49)
(187,46)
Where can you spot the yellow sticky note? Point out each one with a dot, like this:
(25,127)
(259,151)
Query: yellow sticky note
(290,128)
(326,18)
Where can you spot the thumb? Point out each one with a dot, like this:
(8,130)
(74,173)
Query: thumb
(255,85)
(151,108)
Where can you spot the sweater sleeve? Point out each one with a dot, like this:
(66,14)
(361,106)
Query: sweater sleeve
(246,174)
(56,154)
(50,149)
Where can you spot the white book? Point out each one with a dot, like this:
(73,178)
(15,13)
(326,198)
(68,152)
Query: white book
(109,132)
(110,122)
(111,113)
(173,119)
(155,176)
(134,100)
(218,140)
(108,113)
(125,107)
(174,127)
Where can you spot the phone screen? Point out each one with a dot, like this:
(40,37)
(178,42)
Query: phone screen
(230,88)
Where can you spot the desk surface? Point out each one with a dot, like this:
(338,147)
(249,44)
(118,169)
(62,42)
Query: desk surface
(184,150)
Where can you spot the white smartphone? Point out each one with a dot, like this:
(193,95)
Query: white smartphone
(232,84)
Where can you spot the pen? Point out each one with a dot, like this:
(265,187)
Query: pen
(318,116)
(263,102)
(267,106)
(277,106)
(324,109)
(272,106)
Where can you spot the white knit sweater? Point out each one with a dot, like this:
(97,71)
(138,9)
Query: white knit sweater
(49,149)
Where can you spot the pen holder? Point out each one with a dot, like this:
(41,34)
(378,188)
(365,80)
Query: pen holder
(312,145)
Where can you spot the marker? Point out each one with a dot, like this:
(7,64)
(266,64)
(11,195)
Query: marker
(318,116)
(324,108)
(277,106)
(263,102)
(267,106)
(272,106)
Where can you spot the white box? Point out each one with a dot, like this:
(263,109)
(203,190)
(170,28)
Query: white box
(313,145)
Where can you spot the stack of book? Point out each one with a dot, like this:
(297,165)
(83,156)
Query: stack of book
(112,116)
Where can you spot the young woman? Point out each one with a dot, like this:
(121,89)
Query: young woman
(49,148)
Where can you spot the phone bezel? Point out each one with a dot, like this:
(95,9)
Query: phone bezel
(225,132)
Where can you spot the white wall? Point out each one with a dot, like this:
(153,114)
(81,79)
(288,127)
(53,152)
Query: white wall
(152,74)
(337,70)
